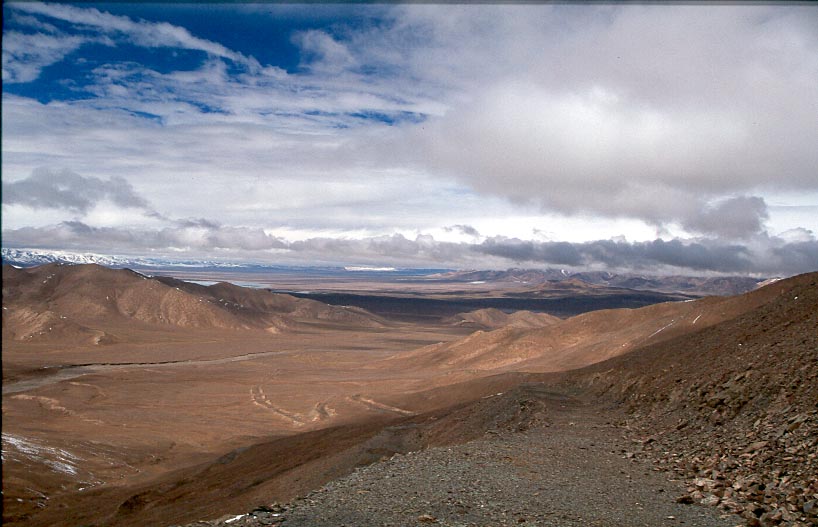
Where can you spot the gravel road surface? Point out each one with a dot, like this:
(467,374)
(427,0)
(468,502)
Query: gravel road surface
(576,469)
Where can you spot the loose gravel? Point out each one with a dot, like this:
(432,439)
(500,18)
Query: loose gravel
(578,469)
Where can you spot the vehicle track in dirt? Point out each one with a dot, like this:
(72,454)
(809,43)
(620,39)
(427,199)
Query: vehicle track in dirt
(54,374)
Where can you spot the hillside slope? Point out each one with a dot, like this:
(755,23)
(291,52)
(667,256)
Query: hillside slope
(720,390)
(492,318)
(583,339)
(86,303)
(731,405)
(734,407)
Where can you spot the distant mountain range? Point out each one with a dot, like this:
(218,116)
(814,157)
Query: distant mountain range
(34,257)
(719,285)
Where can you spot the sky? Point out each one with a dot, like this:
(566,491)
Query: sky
(642,138)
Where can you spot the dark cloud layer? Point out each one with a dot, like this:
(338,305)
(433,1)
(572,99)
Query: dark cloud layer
(696,256)
(64,189)
(188,235)
(762,254)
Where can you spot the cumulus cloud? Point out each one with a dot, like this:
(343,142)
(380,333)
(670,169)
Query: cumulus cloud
(49,188)
(761,254)
(697,256)
(516,250)
(652,114)
(792,258)
(321,52)
(186,236)
(737,217)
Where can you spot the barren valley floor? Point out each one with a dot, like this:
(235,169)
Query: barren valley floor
(158,402)
(99,418)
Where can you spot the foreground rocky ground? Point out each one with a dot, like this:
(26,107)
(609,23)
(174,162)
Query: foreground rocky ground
(572,467)
(733,408)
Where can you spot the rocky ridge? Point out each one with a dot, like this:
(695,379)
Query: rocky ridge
(733,408)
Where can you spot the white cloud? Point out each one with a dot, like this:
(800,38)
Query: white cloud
(323,53)
(25,55)
(645,112)
(539,122)
(49,189)
(139,32)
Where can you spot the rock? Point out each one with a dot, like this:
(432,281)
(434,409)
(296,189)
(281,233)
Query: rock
(770,518)
(685,498)
(758,445)
(703,483)
(427,518)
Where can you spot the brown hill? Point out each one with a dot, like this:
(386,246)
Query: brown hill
(718,285)
(491,318)
(583,339)
(569,284)
(86,303)
(576,287)
(90,299)
(260,303)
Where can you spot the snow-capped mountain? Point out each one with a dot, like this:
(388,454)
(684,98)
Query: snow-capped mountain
(32,257)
